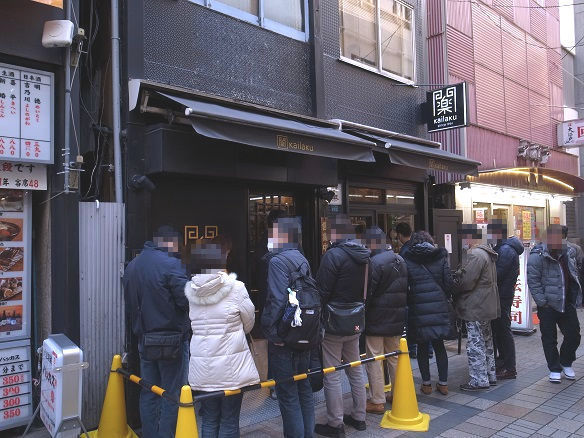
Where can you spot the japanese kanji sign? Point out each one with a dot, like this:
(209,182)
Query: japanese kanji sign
(15,385)
(26,114)
(23,176)
(521,306)
(447,108)
(571,133)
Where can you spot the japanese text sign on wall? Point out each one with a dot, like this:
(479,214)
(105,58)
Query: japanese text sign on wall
(571,133)
(26,114)
(23,176)
(521,306)
(15,386)
(447,108)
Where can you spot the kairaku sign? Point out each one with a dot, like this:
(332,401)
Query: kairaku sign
(446,108)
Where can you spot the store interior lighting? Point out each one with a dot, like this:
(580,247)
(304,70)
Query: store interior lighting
(54,3)
(510,195)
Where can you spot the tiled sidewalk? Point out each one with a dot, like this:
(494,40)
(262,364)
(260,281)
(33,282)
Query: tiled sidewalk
(529,406)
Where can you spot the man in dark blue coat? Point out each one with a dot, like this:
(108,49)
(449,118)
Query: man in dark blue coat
(154,284)
(507,263)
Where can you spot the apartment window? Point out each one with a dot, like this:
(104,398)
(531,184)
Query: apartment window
(379,35)
(288,17)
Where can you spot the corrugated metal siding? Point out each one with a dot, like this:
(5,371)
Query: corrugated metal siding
(472,102)
(517,109)
(101,258)
(549,4)
(553,33)
(554,70)
(436,59)
(435,17)
(537,64)
(487,38)
(504,7)
(557,101)
(563,161)
(458,16)
(490,99)
(492,149)
(514,53)
(541,127)
(538,22)
(460,55)
(522,16)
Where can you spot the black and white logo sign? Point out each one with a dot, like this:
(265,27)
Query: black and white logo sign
(447,108)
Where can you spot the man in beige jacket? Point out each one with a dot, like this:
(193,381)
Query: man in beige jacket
(477,303)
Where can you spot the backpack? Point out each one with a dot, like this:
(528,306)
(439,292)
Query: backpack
(307,335)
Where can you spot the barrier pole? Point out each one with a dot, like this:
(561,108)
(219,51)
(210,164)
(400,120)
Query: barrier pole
(186,423)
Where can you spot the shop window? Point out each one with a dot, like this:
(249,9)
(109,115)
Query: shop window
(388,221)
(481,212)
(379,35)
(365,195)
(287,17)
(260,206)
(529,223)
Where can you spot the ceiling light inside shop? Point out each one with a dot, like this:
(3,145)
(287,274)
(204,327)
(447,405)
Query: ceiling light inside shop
(372,196)
(404,197)
(258,198)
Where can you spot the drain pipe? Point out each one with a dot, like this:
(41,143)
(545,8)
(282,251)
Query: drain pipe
(67,136)
(116,103)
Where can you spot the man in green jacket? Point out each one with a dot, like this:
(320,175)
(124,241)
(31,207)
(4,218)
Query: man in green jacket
(477,303)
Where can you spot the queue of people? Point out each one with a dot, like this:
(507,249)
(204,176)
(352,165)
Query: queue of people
(361,289)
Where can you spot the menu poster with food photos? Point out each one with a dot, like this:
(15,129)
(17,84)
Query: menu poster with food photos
(15,273)
(26,114)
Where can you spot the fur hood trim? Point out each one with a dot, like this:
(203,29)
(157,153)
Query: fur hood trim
(207,289)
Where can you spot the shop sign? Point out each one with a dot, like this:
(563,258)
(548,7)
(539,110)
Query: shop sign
(26,114)
(448,243)
(15,385)
(571,133)
(526,216)
(521,306)
(338,195)
(446,108)
(479,216)
(23,176)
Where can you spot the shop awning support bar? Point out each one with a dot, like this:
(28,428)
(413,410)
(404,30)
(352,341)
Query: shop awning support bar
(172,116)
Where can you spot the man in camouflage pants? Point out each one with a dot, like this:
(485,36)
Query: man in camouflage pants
(477,302)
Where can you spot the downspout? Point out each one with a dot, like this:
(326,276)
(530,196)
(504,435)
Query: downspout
(67,137)
(116,103)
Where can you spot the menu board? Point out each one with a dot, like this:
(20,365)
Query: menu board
(26,114)
(14,264)
(15,384)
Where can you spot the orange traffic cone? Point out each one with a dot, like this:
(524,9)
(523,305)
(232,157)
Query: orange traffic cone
(113,423)
(404,414)
(186,423)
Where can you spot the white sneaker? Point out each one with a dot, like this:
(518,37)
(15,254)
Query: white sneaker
(555,377)
(569,373)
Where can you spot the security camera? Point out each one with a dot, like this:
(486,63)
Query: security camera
(58,33)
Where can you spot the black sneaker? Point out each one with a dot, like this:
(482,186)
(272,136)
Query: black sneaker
(472,388)
(329,431)
(350,421)
(492,383)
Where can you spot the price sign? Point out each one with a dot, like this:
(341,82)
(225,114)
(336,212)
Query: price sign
(15,385)
(26,114)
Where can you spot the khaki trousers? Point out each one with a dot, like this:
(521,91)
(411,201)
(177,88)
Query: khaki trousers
(377,345)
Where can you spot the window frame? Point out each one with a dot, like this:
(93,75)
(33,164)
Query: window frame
(260,20)
(379,69)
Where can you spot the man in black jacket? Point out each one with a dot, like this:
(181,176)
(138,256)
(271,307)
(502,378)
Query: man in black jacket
(341,279)
(154,284)
(507,263)
(386,312)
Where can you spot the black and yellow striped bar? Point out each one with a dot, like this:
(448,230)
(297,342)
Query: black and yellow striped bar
(266,384)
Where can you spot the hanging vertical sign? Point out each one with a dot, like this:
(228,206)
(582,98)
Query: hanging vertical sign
(26,114)
(521,307)
(446,108)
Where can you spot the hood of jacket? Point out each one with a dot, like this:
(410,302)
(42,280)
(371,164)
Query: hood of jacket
(514,243)
(488,248)
(423,252)
(354,249)
(207,289)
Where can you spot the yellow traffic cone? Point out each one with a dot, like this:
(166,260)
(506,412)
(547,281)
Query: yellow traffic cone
(113,423)
(186,423)
(404,414)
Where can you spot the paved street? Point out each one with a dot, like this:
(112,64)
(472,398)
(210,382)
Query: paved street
(527,407)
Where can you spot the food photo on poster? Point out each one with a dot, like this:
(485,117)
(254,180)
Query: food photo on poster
(11,200)
(11,259)
(11,229)
(10,318)
(11,289)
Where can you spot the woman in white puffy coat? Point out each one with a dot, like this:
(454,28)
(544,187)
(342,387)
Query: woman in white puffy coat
(221,313)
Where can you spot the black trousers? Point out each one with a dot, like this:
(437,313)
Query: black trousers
(549,320)
(503,337)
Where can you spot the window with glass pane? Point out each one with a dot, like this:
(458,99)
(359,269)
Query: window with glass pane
(287,12)
(249,6)
(379,34)
(358,30)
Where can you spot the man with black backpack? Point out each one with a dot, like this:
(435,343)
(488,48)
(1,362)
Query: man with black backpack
(342,281)
(291,323)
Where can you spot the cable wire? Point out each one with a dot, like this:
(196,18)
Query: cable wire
(519,6)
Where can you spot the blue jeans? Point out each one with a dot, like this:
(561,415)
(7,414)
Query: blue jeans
(157,414)
(221,417)
(295,398)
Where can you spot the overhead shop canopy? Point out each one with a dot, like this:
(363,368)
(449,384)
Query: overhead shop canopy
(271,132)
(411,154)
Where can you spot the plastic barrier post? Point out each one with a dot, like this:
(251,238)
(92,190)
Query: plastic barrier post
(113,423)
(405,414)
(186,423)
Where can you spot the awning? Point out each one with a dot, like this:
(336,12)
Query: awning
(266,131)
(533,178)
(423,157)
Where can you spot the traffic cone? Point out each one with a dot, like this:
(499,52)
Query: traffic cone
(113,423)
(186,423)
(404,414)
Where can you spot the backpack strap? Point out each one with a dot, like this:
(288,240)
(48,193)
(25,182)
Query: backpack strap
(295,273)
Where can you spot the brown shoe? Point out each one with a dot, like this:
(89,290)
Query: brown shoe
(389,397)
(506,375)
(442,389)
(426,389)
(375,408)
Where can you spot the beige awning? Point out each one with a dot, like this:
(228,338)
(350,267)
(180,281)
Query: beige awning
(55,3)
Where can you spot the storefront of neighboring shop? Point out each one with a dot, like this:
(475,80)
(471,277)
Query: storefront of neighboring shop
(26,147)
